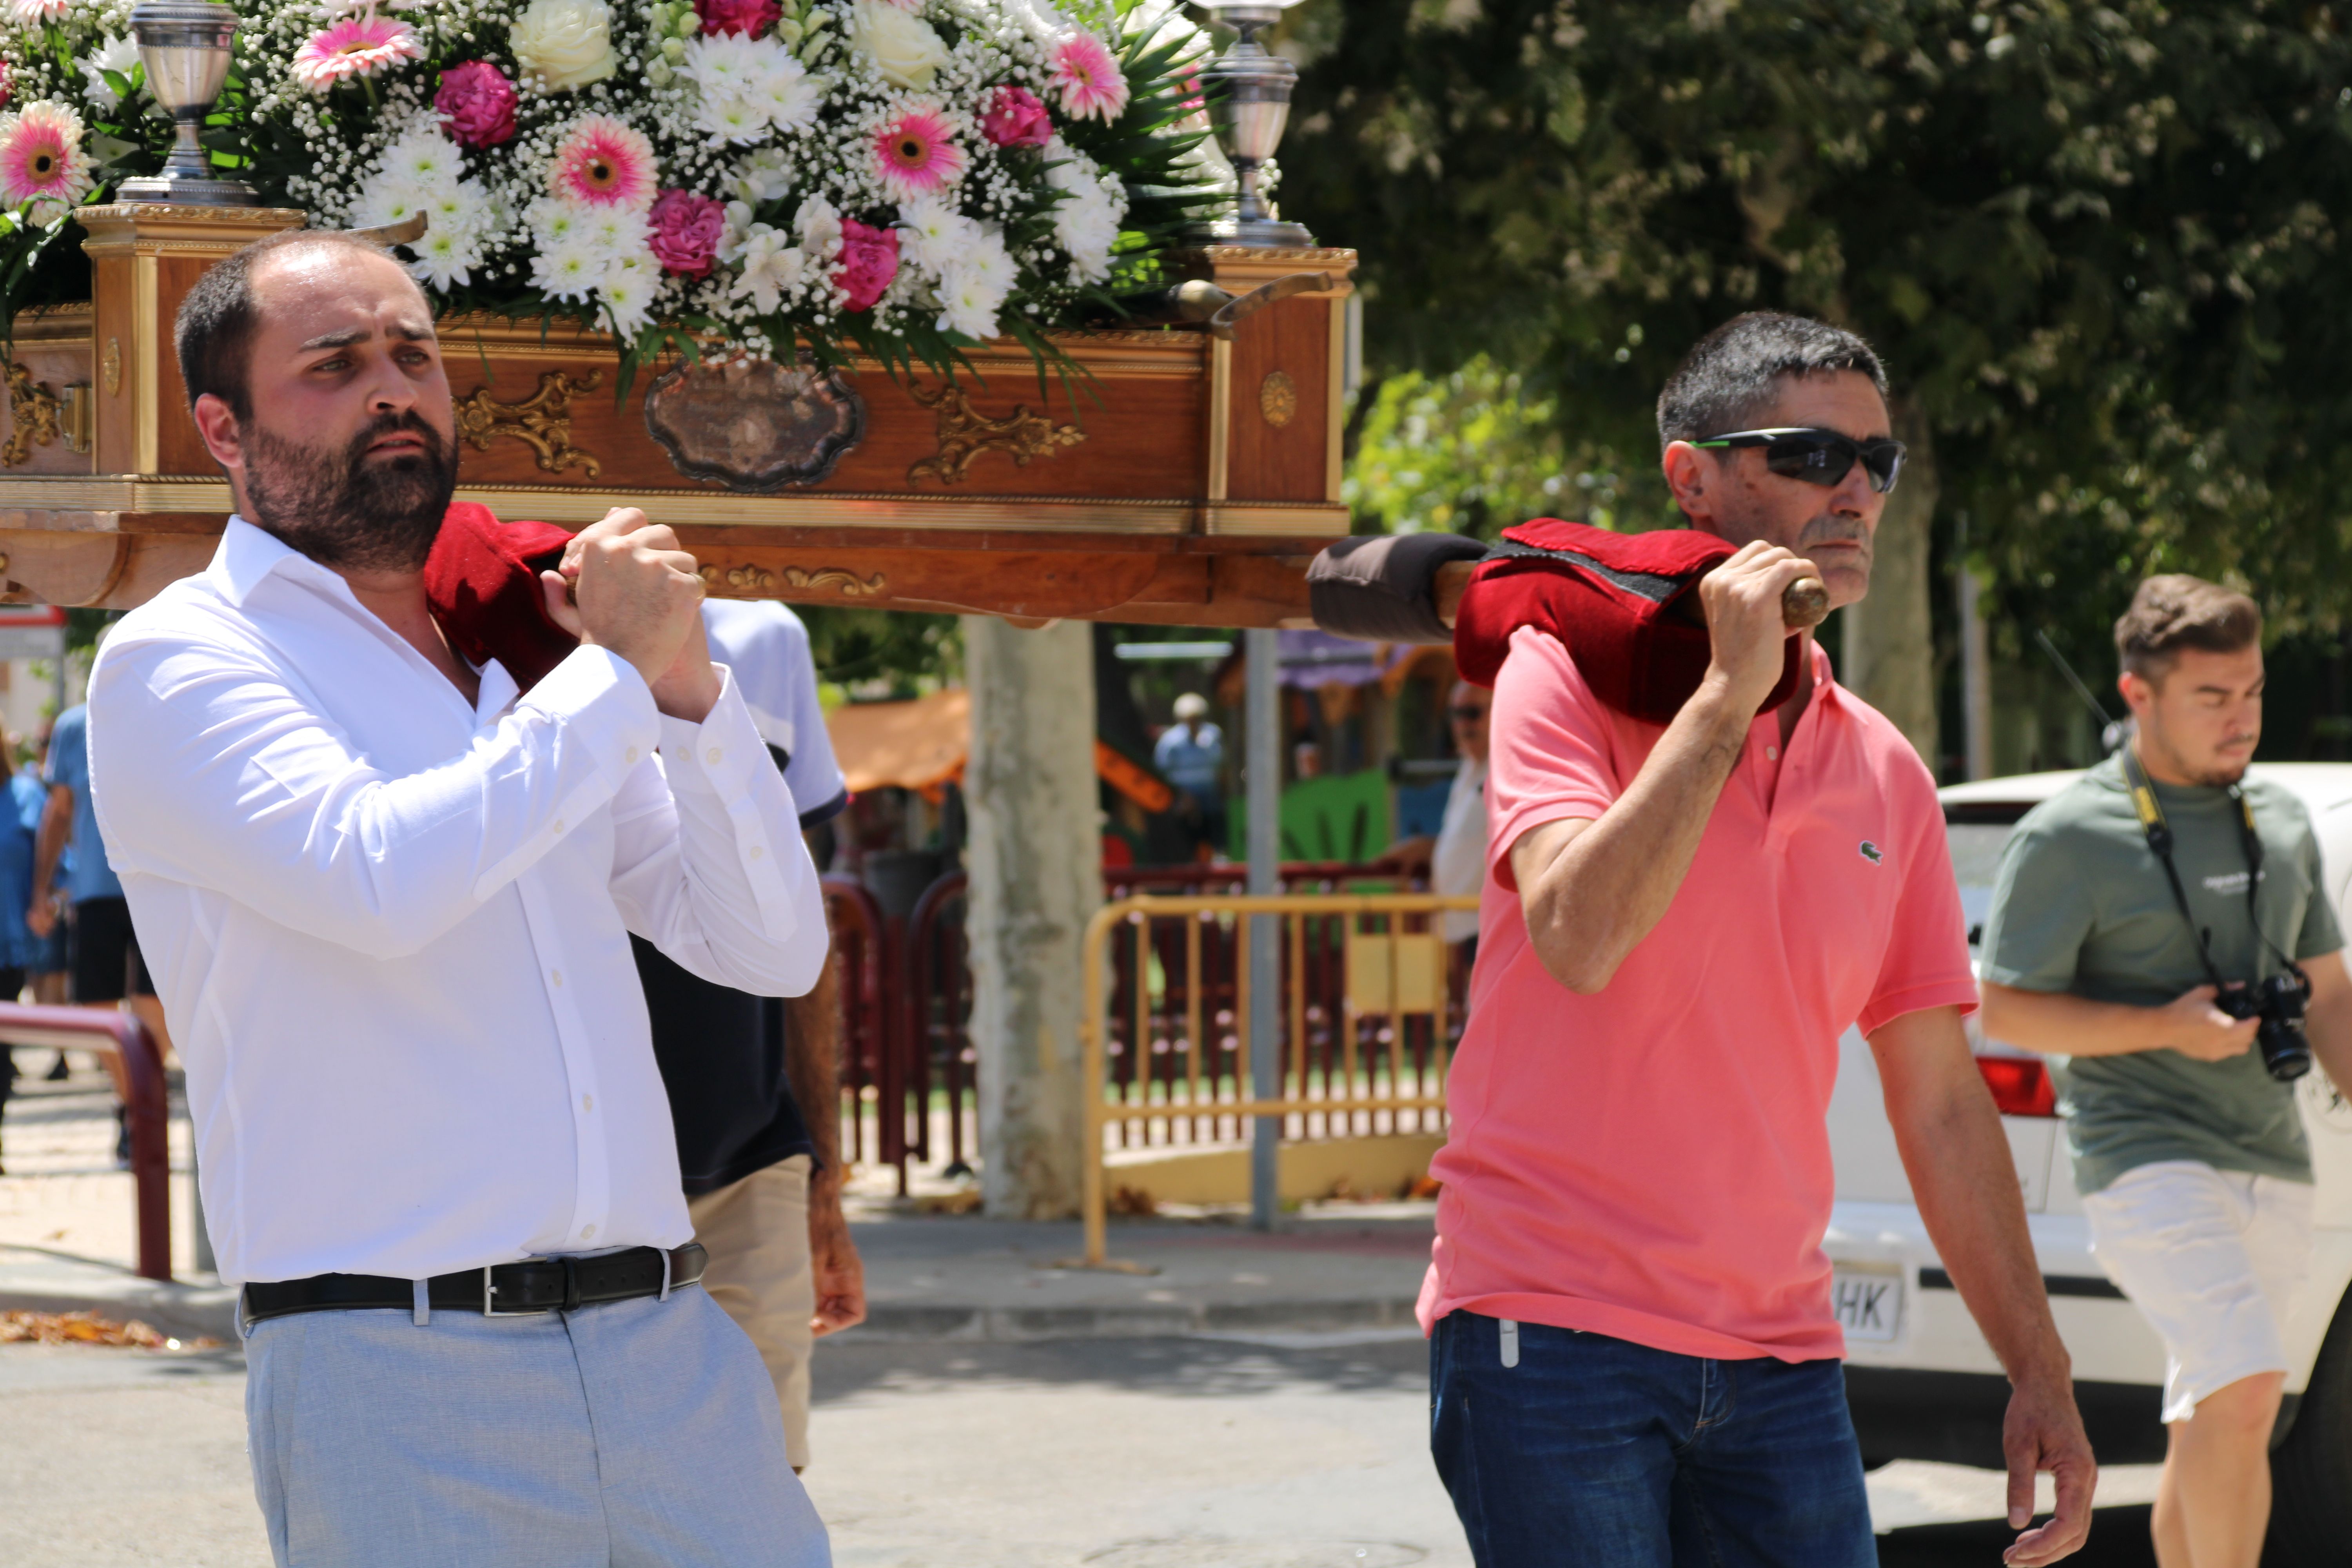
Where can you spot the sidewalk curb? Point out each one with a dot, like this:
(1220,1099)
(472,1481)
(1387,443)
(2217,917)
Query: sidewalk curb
(1000,1324)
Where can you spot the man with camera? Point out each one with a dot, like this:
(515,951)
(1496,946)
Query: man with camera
(2162,925)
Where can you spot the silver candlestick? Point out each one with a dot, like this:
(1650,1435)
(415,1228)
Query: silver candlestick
(1249,102)
(184,43)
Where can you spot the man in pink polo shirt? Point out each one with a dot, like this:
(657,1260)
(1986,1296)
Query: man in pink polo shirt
(1634,1359)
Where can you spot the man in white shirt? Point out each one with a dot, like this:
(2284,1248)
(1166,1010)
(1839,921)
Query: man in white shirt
(387,904)
(1457,863)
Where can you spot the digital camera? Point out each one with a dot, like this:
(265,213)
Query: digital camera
(2278,1002)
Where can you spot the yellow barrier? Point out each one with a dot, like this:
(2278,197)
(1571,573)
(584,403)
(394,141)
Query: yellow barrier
(1394,973)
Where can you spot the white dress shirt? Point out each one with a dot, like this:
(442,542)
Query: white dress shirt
(1458,863)
(390,932)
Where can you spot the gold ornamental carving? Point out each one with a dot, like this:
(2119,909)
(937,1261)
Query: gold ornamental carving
(541,421)
(759,580)
(110,365)
(965,433)
(34,408)
(1277,398)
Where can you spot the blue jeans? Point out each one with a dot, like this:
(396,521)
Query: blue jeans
(1591,1450)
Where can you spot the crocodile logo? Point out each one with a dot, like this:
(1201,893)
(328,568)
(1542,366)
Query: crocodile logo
(1872,853)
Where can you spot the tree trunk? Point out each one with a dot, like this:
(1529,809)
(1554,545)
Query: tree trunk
(1890,645)
(1035,859)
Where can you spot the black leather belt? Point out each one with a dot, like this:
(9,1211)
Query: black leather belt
(501,1291)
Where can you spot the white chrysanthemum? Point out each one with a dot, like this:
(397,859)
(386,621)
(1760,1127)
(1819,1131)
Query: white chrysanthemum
(119,55)
(385,200)
(988,260)
(788,94)
(445,257)
(771,267)
(932,234)
(627,289)
(733,117)
(551,221)
(462,208)
(424,158)
(569,270)
(968,304)
(617,236)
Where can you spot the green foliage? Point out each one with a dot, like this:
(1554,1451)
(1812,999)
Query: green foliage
(883,652)
(1473,452)
(2098,245)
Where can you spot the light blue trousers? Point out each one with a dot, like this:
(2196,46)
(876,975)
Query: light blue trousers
(639,1434)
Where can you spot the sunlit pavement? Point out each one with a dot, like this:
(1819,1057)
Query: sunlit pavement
(1168,1452)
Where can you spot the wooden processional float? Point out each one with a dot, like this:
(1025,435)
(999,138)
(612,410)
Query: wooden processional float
(1182,473)
(1190,484)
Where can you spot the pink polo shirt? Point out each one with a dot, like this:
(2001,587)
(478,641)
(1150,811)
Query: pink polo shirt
(1652,1162)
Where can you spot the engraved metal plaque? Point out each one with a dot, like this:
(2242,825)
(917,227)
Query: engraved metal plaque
(755,425)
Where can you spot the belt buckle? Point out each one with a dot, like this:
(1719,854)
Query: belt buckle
(489,1291)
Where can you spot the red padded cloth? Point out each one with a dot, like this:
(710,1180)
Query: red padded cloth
(482,583)
(1608,598)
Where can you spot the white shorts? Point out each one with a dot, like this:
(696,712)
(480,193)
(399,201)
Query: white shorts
(2212,1260)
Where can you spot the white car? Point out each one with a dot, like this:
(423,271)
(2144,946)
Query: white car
(1922,1381)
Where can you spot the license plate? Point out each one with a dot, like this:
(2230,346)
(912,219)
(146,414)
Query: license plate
(1869,1306)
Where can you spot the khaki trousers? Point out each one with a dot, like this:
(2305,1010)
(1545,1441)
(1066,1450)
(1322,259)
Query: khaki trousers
(756,1231)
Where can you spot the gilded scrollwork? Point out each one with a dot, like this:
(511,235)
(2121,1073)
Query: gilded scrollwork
(541,421)
(965,433)
(759,580)
(33,408)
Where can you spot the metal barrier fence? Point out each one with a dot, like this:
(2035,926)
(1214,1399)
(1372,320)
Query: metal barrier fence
(107,1029)
(1367,1026)
(906,1004)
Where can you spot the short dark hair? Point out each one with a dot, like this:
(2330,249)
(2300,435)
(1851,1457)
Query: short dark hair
(1732,375)
(2176,611)
(214,330)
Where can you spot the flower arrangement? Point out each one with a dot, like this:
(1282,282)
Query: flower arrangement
(903,177)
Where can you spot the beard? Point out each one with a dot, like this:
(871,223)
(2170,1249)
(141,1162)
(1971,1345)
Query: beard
(344,512)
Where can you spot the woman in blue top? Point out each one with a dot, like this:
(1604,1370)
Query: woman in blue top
(20,951)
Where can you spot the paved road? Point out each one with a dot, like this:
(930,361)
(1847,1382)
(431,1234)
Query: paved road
(1111,1453)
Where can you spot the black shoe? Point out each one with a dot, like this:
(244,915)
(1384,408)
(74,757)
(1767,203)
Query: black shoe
(121,1139)
(58,1070)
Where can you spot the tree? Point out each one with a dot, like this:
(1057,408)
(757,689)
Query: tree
(2097,245)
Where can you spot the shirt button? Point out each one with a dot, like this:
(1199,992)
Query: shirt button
(556,975)
(586,1231)
(713,755)
(630,755)
(758,850)
(1771,754)
(558,825)
(587,1102)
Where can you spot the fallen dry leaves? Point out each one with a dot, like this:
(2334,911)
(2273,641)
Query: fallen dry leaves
(90,1329)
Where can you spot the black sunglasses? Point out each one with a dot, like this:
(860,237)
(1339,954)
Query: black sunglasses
(1818,456)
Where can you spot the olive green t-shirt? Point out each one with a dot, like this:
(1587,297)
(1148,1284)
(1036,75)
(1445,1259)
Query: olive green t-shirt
(2081,905)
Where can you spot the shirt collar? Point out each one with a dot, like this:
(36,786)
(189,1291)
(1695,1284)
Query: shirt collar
(246,556)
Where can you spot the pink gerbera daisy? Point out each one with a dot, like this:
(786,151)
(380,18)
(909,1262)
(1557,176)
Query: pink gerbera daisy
(355,46)
(914,156)
(605,163)
(1088,77)
(41,161)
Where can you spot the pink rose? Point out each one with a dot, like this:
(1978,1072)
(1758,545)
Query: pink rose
(1015,117)
(687,231)
(477,103)
(752,18)
(869,259)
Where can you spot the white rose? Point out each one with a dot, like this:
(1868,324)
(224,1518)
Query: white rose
(566,43)
(902,46)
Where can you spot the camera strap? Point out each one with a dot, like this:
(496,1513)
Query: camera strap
(2159,844)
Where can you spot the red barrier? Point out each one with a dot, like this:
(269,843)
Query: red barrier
(108,1029)
(874,977)
(942,1004)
